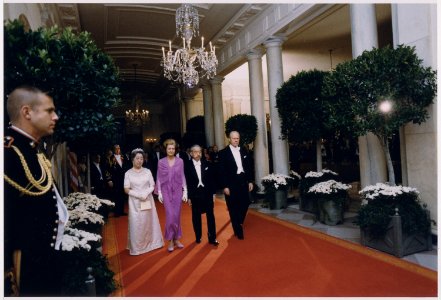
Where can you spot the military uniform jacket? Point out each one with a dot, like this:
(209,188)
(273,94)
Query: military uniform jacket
(31,222)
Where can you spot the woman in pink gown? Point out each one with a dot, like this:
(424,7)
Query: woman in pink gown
(172,190)
(144,229)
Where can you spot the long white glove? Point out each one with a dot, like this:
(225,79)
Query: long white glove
(185,194)
(160,197)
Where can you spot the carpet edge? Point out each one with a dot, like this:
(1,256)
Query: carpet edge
(409,266)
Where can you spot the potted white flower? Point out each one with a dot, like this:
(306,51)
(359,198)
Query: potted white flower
(393,219)
(331,197)
(308,203)
(276,189)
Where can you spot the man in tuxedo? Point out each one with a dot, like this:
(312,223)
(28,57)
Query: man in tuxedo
(201,193)
(97,177)
(118,170)
(236,181)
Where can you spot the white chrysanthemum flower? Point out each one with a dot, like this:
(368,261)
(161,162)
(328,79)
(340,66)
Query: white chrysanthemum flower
(81,215)
(381,189)
(88,201)
(75,238)
(276,180)
(329,187)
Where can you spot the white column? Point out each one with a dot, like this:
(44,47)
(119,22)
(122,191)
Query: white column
(208,113)
(416,25)
(261,164)
(218,111)
(275,80)
(364,37)
(183,116)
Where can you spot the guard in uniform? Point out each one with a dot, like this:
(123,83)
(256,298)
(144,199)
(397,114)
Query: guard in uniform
(34,212)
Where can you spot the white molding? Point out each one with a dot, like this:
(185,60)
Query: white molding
(276,19)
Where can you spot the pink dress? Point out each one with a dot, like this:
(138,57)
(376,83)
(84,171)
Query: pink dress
(144,229)
(171,181)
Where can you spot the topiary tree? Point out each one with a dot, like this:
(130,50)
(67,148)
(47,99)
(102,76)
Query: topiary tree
(81,78)
(245,124)
(195,133)
(196,123)
(302,110)
(380,91)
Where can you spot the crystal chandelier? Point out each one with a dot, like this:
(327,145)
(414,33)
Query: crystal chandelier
(137,117)
(187,63)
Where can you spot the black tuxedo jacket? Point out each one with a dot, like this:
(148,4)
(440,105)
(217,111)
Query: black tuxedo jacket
(228,167)
(97,180)
(207,177)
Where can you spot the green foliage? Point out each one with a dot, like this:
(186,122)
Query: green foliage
(308,181)
(75,264)
(82,79)
(245,124)
(196,123)
(301,105)
(359,86)
(376,215)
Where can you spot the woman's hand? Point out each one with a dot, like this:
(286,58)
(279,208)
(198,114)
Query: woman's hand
(160,197)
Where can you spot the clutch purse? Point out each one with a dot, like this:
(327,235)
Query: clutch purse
(145,205)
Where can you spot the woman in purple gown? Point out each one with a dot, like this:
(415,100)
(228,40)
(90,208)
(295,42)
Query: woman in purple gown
(171,189)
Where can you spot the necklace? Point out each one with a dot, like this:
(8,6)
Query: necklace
(45,166)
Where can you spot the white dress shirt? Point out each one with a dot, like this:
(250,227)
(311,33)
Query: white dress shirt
(99,169)
(118,159)
(197,165)
(237,158)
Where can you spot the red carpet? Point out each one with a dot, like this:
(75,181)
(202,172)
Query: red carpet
(276,258)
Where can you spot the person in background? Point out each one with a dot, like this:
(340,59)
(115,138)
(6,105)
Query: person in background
(35,214)
(236,180)
(154,158)
(118,170)
(201,193)
(144,229)
(97,177)
(171,188)
(82,174)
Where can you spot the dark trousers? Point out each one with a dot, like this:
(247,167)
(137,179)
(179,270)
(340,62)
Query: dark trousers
(120,198)
(40,274)
(238,203)
(203,202)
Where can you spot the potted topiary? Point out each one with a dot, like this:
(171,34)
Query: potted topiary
(276,189)
(331,197)
(392,219)
(307,201)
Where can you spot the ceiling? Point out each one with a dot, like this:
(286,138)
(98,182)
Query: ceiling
(134,34)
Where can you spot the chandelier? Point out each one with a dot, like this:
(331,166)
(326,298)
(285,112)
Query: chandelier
(187,63)
(137,117)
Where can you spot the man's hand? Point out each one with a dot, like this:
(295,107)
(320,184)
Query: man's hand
(250,186)
(227,191)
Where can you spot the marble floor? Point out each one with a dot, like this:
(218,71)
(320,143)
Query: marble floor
(347,231)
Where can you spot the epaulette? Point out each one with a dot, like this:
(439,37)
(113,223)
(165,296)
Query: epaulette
(7,141)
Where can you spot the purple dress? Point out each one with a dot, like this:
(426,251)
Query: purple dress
(170,181)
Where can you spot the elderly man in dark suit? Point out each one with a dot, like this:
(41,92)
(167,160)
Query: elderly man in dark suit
(236,180)
(34,212)
(199,175)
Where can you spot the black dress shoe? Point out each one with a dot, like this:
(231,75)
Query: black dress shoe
(240,236)
(124,214)
(198,241)
(214,242)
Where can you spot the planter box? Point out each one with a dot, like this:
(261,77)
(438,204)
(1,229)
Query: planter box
(330,212)
(396,242)
(278,200)
(308,204)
